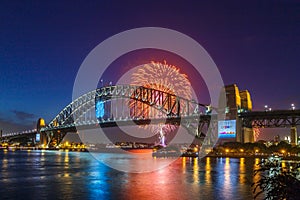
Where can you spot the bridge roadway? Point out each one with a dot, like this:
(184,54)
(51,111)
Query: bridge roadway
(256,119)
(130,122)
(168,108)
(21,133)
(189,122)
(270,119)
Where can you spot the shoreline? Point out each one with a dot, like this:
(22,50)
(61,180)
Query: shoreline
(146,150)
(296,158)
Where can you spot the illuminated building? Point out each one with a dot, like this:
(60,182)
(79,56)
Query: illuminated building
(41,138)
(236,102)
(233,101)
(246,103)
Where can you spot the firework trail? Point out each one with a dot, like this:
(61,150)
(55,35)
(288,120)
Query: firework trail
(162,77)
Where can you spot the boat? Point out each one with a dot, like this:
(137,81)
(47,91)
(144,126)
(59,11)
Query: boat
(160,151)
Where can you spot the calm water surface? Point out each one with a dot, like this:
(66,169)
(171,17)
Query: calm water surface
(74,175)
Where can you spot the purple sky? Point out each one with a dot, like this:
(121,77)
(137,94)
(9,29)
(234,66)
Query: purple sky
(255,44)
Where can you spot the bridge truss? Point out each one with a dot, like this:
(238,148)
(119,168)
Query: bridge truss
(271,119)
(123,105)
(15,135)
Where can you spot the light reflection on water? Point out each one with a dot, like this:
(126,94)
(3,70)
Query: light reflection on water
(242,176)
(208,171)
(74,175)
(227,179)
(195,170)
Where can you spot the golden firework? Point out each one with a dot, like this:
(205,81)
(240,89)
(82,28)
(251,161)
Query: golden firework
(161,77)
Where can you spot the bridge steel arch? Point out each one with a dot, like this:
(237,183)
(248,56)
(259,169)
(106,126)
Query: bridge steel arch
(81,112)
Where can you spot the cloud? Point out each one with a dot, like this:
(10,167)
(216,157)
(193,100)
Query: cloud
(8,126)
(23,115)
(15,121)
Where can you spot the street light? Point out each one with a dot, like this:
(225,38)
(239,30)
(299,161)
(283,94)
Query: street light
(293,107)
(266,107)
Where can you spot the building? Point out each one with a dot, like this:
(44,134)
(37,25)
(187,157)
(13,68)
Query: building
(231,129)
(246,103)
(233,101)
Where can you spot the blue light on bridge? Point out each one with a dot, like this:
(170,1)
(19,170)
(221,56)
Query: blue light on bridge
(100,109)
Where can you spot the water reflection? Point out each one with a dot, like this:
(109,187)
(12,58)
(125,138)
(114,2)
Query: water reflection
(227,181)
(256,162)
(208,171)
(242,174)
(242,165)
(4,163)
(99,182)
(161,184)
(256,167)
(71,175)
(4,168)
(183,164)
(66,160)
(195,170)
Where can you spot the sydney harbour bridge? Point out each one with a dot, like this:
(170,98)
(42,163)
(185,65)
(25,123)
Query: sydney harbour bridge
(127,105)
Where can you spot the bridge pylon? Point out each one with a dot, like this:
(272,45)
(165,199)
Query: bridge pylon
(294,136)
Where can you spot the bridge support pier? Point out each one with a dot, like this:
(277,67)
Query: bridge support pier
(294,136)
(248,135)
(243,134)
(52,138)
(44,139)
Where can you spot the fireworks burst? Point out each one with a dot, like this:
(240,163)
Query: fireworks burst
(162,77)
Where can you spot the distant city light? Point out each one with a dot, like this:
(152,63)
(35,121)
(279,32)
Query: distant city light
(293,107)
(266,107)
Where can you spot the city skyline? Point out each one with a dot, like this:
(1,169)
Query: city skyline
(44,43)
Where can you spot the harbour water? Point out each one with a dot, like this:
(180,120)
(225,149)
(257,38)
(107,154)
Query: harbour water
(77,175)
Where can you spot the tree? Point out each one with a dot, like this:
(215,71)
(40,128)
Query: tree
(277,181)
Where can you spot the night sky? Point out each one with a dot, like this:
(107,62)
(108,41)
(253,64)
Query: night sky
(255,44)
